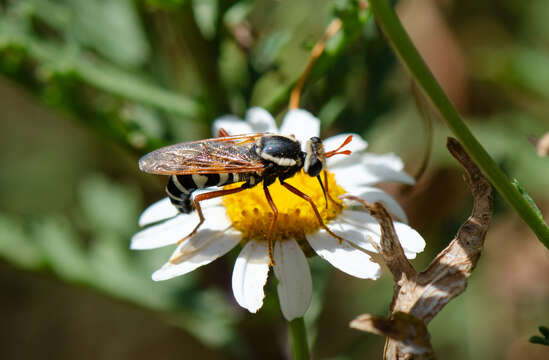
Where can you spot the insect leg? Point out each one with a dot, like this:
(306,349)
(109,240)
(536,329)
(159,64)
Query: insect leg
(206,196)
(222,133)
(328,190)
(307,198)
(270,242)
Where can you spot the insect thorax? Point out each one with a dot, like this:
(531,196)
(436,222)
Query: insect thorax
(284,157)
(281,150)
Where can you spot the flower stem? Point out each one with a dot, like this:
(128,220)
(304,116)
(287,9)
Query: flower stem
(295,95)
(298,334)
(408,54)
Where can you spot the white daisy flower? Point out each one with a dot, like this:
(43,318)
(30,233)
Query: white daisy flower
(244,219)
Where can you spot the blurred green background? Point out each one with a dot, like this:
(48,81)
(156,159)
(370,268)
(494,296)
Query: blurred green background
(86,87)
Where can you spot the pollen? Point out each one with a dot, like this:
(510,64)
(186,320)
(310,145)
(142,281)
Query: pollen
(250,213)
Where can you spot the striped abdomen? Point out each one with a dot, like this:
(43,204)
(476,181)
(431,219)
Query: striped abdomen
(181,187)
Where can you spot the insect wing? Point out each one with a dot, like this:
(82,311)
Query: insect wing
(218,155)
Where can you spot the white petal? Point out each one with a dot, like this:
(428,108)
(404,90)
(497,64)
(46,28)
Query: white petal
(260,120)
(232,124)
(362,222)
(300,123)
(371,169)
(173,230)
(342,161)
(368,174)
(160,210)
(250,275)
(380,173)
(372,195)
(359,236)
(360,218)
(410,255)
(344,256)
(199,250)
(295,285)
(356,145)
(354,174)
(411,240)
(388,160)
(166,233)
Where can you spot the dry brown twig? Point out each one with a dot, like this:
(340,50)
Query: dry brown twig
(419,296)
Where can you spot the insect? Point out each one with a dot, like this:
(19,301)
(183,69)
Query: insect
(251,159)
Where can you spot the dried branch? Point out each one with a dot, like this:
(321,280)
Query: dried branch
(419,297)
(390,248)
(410,331)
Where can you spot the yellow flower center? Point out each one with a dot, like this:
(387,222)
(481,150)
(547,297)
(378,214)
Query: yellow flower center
(251,214)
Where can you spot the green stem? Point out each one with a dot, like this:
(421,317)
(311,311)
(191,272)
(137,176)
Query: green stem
(298,333)
(401,43)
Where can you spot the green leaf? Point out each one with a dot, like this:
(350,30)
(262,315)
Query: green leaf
(238,12)
(143,124)
(110,27)
(266,52)
(61,248)
(541,340)
(116,275)
(544,331)
(130,86)
(523,68)
(101,75)
(108,206)
(331,110)
(210,317)
(55,14)
(206,14)
(15,245)
(167,4)
(233,67)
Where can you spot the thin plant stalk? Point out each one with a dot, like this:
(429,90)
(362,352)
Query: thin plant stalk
(295,96)
(408,54)
(298,335)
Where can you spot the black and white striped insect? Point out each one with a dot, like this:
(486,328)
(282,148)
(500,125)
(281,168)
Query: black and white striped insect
(251,159)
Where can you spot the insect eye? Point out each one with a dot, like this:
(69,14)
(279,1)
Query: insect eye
(315,167)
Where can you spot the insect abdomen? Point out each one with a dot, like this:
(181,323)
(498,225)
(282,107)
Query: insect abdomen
(181,187)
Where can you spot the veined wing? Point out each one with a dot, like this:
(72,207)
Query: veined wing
(217,155)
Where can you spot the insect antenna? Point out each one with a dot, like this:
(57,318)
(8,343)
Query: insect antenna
(337,152)
(323,190)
